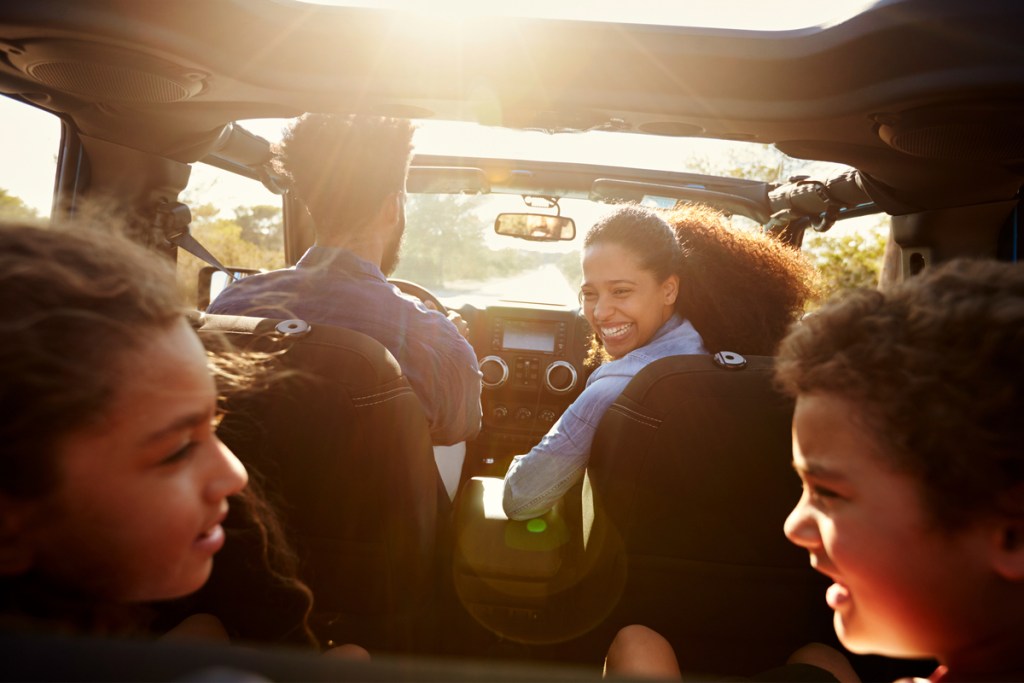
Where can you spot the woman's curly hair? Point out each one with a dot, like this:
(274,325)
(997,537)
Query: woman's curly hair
(933,368)
(741,290)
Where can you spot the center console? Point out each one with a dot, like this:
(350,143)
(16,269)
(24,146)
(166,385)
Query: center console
(531,358)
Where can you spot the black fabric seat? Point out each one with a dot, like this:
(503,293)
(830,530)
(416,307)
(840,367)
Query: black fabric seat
(342,447)
(688,486)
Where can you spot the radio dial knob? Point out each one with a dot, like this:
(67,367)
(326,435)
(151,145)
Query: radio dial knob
(524,414)
(494,371)
(560,377)
(499,412)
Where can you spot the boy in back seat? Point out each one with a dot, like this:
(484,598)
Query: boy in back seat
(908,436)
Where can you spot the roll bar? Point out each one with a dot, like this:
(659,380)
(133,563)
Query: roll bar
(821,203)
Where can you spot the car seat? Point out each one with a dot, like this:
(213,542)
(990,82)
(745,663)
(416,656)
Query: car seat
(342,447)
(688,485)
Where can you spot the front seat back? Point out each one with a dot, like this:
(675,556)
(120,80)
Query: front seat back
(691,481)
(343,448)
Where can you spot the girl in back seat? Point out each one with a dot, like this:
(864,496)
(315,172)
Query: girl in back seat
(113,483)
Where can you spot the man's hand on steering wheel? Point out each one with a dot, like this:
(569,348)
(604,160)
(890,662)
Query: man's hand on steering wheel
(460,323)
(432,302)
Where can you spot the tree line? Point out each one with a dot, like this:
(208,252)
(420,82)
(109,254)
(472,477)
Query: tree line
(445,242)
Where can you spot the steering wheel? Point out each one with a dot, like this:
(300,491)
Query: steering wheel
(421,293)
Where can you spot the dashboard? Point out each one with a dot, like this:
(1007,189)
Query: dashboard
(531,358)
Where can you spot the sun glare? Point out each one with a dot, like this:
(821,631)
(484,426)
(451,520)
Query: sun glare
(739,14)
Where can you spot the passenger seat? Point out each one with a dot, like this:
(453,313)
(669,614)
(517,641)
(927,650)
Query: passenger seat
(687,489)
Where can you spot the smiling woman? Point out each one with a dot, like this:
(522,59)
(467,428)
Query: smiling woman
(653,289)
(630,279)
(630,285)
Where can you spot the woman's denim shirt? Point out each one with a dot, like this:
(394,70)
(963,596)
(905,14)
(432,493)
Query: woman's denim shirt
(535,481)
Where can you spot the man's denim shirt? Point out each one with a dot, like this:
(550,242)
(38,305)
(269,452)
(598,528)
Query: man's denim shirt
(333,286)
(535,481)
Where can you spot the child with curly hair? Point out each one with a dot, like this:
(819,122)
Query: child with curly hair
(908,438)
(909,441)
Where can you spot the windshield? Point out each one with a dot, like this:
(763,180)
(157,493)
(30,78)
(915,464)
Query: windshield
(450,246)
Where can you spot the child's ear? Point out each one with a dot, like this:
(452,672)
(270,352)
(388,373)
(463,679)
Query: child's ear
(1008,550)
(16,552)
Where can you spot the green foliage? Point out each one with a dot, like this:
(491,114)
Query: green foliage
(201,213)
(226,239)
(262,225)
(445,242)
(756,163)
(12,208)
(571,267)
(846,258)
(848,261)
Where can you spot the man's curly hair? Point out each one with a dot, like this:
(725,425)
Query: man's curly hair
(935,367)
(343,167)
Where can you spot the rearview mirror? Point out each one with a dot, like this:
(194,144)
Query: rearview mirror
(535,226)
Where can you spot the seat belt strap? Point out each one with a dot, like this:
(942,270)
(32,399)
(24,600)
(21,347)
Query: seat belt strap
(173,219)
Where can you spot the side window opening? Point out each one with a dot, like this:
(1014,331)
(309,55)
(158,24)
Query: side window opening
(236,218)
(851,254)
(28,161)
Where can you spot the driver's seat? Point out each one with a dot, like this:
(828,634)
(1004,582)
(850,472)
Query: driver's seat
(343,447)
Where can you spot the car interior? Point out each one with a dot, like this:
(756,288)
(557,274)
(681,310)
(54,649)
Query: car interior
(909,111)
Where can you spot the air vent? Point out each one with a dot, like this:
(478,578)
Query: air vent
(105,73)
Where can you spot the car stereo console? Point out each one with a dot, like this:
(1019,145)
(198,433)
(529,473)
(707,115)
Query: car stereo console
(528,354)
(531,359)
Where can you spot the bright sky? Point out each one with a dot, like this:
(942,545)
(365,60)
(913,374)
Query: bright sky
(28,158)
(28,153)
(31,138)
(746,14)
